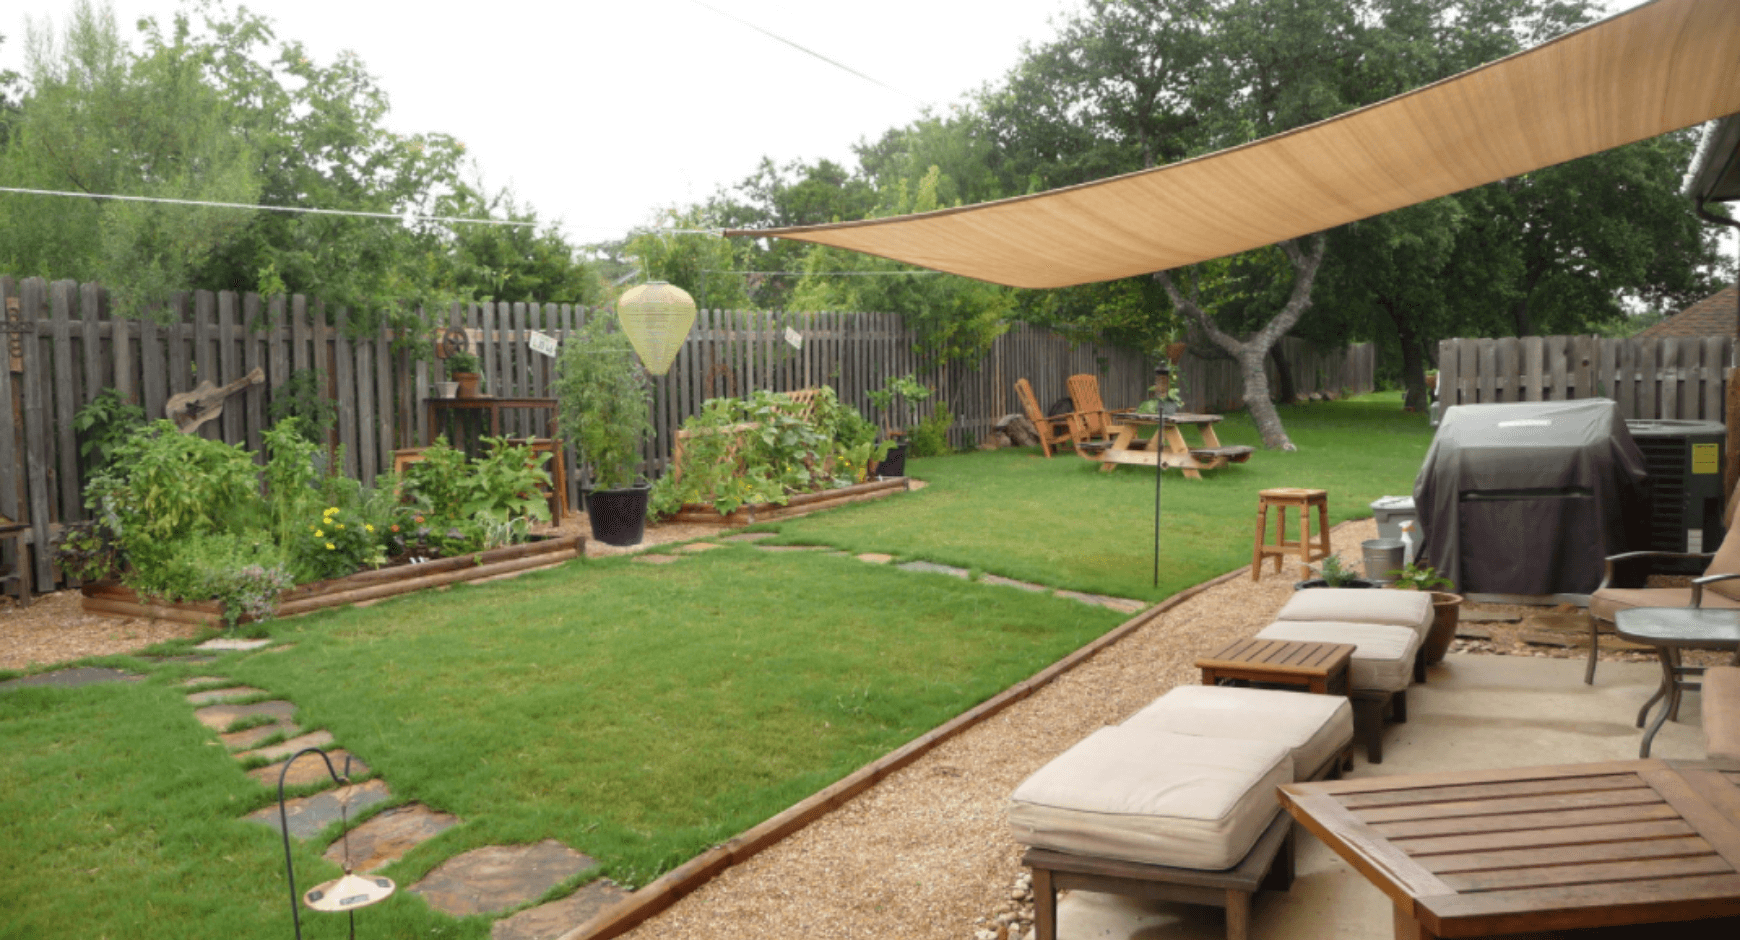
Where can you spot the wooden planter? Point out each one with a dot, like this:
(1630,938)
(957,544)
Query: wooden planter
(800,505)
(109,597)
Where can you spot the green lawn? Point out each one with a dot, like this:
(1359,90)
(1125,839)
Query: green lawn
(636,713)
(1063,522)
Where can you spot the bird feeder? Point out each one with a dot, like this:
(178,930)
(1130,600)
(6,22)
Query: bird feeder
(657,318)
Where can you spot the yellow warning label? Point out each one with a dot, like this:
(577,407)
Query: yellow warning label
(1705,457)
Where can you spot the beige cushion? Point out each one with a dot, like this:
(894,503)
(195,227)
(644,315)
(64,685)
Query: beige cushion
(1313,727)
(1153,797)
(1383,659)
(1721,708)
(1726,561)
(1603,604)
(1359,605)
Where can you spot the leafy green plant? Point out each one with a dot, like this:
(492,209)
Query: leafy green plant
(164,486)
(603,397)
(303,396)
(747,452)
(931,437)
(90,551)
(1334,573)
(1412,577)
(897,401)
(340,543)
(103,425)
(464,360)
(243,571)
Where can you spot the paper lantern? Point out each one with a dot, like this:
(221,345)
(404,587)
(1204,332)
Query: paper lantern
(657,318)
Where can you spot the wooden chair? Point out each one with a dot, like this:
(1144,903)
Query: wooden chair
(1092,426)
(1053,430)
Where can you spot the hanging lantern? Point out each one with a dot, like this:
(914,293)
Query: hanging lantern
(657,318)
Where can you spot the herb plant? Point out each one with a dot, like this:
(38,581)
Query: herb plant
(1413,577)
(1334,573)
(103,425)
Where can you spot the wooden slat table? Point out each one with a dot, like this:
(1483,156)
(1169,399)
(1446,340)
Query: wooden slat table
(1483,852)
(1168,449)
(1316,667)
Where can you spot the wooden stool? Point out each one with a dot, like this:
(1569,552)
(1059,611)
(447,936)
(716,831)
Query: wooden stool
(406,456)
(1284,499)
(556,495)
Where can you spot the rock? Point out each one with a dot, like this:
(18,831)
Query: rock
(1019,430)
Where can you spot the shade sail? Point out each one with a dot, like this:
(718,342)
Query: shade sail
(1660,67)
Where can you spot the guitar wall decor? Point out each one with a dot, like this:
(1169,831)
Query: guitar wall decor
(189,410)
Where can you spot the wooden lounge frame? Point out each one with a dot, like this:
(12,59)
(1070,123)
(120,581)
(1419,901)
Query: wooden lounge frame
(1044,425)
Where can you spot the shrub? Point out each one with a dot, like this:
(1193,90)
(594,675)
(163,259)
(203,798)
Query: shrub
(931,437)
(103,426)
(164,487)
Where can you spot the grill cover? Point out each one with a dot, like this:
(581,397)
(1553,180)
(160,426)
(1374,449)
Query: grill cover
(1529,498)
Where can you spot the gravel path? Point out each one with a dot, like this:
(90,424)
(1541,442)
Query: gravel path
(926,853)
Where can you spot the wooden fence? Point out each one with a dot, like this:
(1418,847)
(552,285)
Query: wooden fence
(1659,377)
(66,346)
(1215,385)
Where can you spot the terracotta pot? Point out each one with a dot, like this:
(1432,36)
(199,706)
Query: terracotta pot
(468,382)
(1176,351)
(1446,613)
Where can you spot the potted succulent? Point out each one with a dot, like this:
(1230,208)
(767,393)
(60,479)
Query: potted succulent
(602,394)
(897,400)
(1332,573)
(1446,607)
(464,368)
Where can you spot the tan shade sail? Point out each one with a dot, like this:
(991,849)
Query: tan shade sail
(1658,68)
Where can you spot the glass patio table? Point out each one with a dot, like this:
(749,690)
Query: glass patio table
(1669,630)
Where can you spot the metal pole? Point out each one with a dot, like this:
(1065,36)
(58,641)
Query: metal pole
(1161,375)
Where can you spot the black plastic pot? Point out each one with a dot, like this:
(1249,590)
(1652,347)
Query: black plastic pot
(1320,583)
(893,465)
(618,517)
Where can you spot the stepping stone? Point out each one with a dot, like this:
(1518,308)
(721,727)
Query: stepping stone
(71,678)
(1124,605)
(1011,582)
(1466,631)
(655,559)
(310,769)
(876,558)
(934,568)
(290,747)
(749,536)
(197,660)
(230,645)
(1488,616)
(384,839)
(497,877)
(791,548)
(240,740)
(308,815)
(204,680)
(552,920)
(697,547)
(219,717)
(1099,600)
(223,695)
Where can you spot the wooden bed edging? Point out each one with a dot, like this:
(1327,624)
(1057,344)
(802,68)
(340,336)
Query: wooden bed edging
(801,504)
(672,886)
(107,597)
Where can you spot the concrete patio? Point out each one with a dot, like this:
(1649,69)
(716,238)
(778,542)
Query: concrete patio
(1473,712)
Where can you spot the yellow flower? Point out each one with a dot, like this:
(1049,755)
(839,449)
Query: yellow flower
(341,526)
(331,547)
(369,528)
(319,534)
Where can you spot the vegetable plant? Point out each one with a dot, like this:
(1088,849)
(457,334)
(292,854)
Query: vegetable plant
(1335,574)
(897,401)
(1411,577)
(103,425)
(603,397)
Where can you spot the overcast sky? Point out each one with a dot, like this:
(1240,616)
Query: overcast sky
(599,113)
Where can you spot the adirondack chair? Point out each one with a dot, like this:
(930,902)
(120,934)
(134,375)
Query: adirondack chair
(1053,430)
(1093,424)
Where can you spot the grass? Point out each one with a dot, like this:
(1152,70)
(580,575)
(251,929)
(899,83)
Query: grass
(1064,523)
(636,713)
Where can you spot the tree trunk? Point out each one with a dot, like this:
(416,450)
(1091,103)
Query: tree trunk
(1286,390)
(1413,363)
(1252,352)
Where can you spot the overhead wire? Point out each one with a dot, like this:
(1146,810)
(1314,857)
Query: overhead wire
(808,51)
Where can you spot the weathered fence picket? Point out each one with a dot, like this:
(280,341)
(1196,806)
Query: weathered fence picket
(67,344)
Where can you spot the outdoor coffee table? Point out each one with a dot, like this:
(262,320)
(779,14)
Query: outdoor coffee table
(1315,667)
(1669,630)
(1475,853)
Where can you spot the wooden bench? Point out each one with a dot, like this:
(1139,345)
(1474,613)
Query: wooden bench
(1721,705)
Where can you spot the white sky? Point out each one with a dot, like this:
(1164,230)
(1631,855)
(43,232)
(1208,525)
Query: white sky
(599,113)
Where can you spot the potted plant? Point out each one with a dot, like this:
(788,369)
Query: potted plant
(602,393)
(1332,573)
(464,368)
(897,400)
(1446,607)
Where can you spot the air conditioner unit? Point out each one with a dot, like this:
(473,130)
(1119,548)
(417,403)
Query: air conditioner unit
(1685,484)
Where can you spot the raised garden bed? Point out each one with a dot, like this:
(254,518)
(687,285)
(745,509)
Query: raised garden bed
(799,505)
(110,597)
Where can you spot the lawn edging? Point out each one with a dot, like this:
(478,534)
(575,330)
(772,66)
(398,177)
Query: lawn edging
(673,885)
(114,599)
(801,504)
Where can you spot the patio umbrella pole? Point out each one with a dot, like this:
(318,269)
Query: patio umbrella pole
(1161,374)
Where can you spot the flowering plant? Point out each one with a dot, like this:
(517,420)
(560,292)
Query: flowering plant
(341,542)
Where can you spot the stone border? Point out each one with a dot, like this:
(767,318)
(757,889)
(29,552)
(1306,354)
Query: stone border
(112,599)
(670,887)
(799,505)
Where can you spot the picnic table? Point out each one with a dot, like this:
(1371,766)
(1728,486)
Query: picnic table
(1477,853)
(1167,448)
